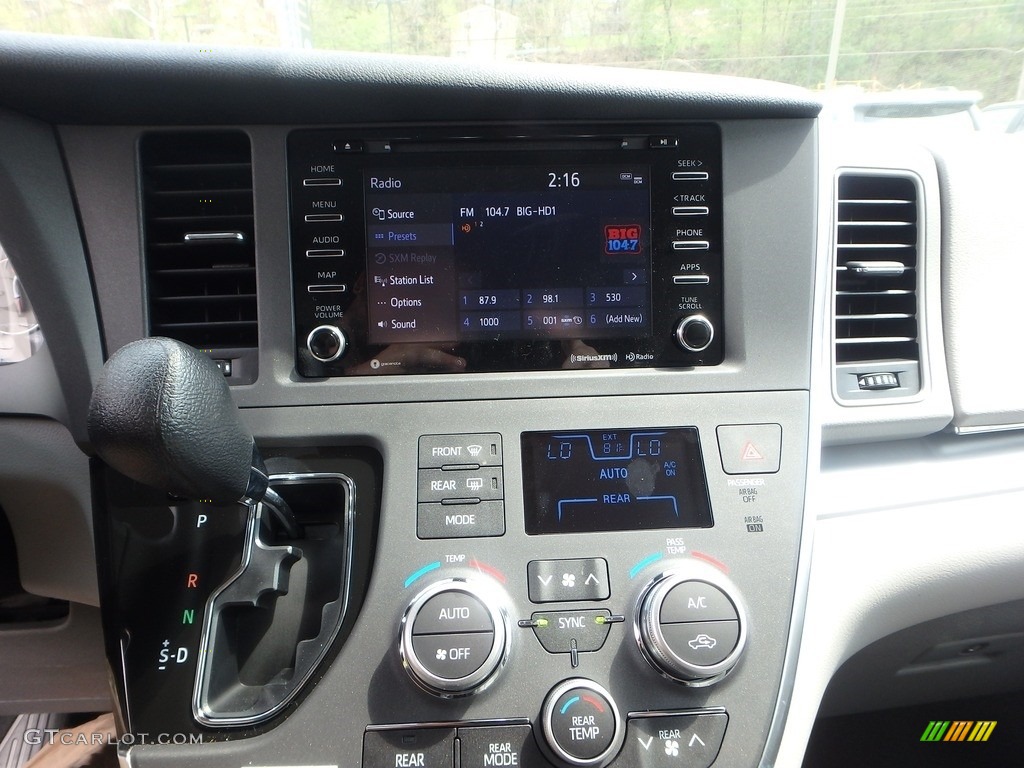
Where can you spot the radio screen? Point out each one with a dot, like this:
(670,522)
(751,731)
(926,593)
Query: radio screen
(533,252)
(614,480)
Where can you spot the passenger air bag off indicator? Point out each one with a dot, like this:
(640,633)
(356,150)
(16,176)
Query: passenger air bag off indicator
(623,238)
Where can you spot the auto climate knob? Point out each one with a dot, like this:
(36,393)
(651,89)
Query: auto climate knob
(690,624)
(454,637)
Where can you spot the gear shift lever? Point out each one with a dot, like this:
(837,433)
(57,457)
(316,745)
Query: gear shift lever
(161,413)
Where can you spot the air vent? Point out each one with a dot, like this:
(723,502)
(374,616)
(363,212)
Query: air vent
(876,310)
(200,256)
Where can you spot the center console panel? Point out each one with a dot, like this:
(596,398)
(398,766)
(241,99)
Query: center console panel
(468,638)
(588,567)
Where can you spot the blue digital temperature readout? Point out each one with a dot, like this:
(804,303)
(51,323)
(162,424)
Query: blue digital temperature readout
(614,480)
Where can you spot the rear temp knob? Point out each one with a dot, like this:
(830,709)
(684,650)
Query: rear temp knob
(326,343)
(691,625)
(454,638)
(582,725)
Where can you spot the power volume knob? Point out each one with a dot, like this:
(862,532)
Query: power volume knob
(691,625)
(694,333)
(326,343)
(454,638)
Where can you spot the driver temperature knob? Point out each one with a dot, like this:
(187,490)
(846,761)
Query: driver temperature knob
(454,638)
(691,625)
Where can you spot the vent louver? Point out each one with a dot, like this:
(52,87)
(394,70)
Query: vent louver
(876,310)
(200,255)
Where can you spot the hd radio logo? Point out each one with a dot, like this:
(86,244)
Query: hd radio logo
(958,730)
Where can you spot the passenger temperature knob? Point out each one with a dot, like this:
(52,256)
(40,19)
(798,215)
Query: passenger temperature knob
(690,624)
(454,638)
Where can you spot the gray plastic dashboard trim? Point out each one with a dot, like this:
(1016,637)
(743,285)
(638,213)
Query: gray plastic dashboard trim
(907,531)
(821,376)
(41,236)
(31,387)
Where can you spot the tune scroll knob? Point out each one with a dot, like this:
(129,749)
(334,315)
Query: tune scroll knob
(454,638)
(326,343)
(694,333)
(691,625)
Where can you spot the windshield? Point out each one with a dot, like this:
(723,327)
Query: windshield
(867,46)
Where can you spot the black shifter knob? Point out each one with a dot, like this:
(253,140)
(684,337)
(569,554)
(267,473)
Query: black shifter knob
(162,414)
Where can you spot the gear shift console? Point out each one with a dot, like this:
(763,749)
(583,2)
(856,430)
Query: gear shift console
(264,561)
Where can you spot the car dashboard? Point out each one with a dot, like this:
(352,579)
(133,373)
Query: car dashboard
(621,411)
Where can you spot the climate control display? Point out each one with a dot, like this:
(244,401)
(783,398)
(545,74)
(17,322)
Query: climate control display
(614,480)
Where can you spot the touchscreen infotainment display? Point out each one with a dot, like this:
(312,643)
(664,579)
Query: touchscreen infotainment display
(555,251)
(489,249)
